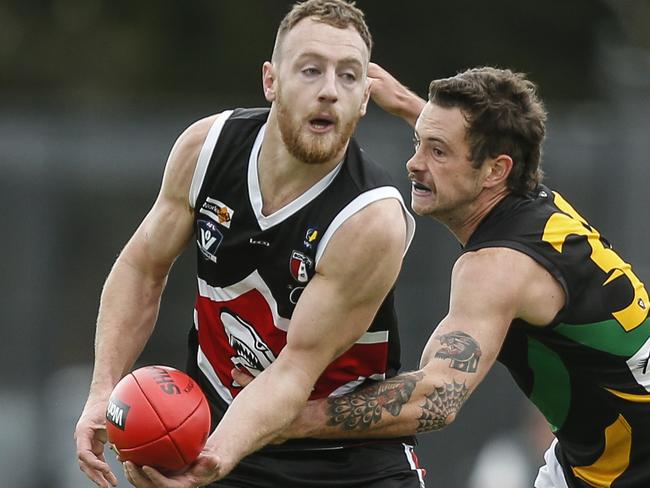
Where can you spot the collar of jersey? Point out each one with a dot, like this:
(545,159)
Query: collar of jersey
(255,194)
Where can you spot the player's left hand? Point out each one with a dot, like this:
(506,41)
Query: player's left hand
(204,471)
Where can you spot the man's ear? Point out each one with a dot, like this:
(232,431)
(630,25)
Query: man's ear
(366,97)
(497,170)
(269,84)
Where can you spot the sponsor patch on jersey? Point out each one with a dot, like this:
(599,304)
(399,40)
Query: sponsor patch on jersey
(310,237)
(299,266)
(217,211)
(116,413)
(208,239)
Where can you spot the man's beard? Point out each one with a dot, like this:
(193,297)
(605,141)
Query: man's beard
(312,148)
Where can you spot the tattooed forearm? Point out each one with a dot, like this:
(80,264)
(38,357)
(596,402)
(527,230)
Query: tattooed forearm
(359,410)
(443,402)
(462,349)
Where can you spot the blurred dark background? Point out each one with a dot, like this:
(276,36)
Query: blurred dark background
(94,93)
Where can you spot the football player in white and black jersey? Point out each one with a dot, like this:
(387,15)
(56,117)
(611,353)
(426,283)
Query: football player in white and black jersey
(299,240)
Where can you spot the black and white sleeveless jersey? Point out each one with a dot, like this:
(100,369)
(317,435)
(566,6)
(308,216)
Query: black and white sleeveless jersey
(587,371)
(252,267)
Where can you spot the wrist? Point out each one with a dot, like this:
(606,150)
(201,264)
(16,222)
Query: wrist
(220,457)
(311,420)
(410,106)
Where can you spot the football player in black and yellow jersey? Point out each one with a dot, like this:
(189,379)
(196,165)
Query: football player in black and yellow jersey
(537,287)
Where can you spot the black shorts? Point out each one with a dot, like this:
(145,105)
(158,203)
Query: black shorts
(389,465)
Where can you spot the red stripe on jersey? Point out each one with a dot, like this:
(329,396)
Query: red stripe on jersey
(360,360)
(241,332)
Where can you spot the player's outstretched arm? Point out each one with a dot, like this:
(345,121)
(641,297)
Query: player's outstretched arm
(131,296)
(489,289)
(393,97)
(334,311)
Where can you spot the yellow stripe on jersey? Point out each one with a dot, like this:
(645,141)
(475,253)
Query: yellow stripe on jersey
(632,397)
(615,458)
(562,225)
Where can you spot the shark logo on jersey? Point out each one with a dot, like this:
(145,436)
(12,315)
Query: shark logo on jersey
(251,351)
(208,239)
(299,266)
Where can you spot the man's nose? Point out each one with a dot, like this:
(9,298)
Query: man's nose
(328,90)
(415,163)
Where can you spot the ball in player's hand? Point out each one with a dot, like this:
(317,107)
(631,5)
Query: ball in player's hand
(158,416)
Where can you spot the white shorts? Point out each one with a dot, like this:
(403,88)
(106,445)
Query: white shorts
(551,474)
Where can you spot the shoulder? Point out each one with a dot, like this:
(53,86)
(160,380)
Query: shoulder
(376,231)
(509,280)
(379,221)
(493,264)
(183,158)
(187,147)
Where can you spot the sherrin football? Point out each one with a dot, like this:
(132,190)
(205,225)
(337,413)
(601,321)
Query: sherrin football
(158,416)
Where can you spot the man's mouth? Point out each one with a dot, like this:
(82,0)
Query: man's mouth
(419,187)
(321,123)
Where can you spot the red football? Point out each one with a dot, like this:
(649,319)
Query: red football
(158,416)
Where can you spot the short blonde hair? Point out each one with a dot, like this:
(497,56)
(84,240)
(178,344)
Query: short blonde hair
(337,13)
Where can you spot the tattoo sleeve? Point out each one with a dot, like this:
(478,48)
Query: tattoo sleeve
(444,401)
(360,409)
(461,349)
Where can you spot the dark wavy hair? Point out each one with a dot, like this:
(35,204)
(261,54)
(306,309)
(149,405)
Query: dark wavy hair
(504,116)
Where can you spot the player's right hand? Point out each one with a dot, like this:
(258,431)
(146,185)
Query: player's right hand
(90,435)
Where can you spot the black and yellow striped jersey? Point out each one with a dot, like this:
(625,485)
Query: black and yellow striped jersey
(588,371)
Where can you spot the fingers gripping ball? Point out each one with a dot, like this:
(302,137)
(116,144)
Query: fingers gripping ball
(158,416)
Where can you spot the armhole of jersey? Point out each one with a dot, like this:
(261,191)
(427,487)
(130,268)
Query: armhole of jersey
(206,153)
(361,202)
(539,259)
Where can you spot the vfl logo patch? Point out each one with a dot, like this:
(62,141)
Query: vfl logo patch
(299,266)
(116,413)
(218,211)
(251,351)
(208,239)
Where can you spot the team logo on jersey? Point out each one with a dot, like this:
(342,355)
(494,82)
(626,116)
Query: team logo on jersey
(310,237)
(299,266)
(251,351)
(218,211)
(208,239)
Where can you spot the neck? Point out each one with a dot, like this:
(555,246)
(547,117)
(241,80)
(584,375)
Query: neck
(464,225)
(282,177)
